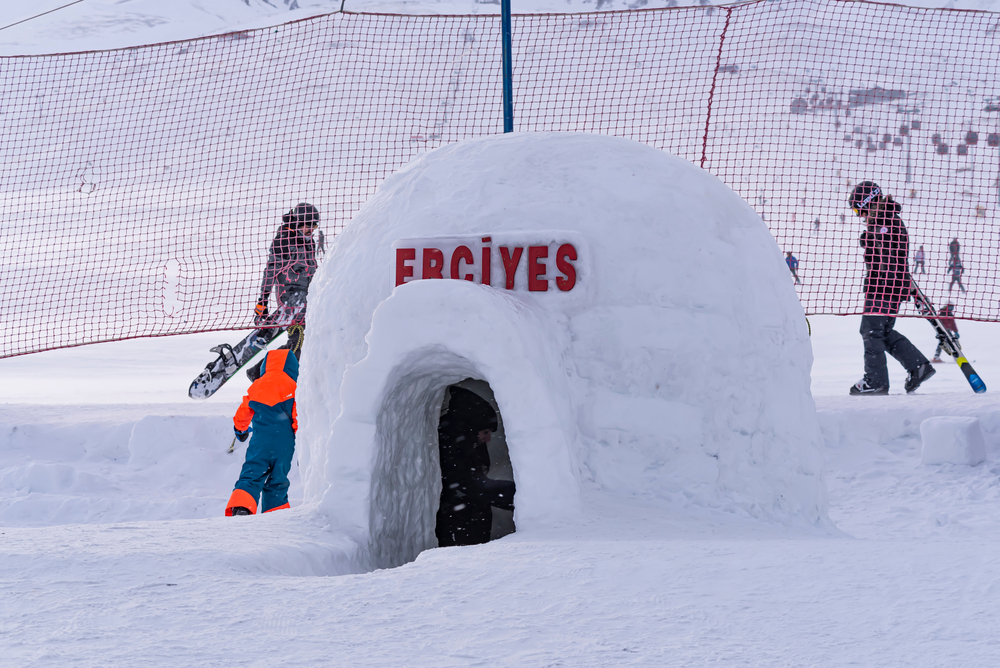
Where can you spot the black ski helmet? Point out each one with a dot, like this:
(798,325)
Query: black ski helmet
(863,195)
(302,213)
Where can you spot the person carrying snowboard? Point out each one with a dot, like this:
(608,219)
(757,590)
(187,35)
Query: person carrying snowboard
(291,264)
(887,283)
(947,318)
(270,406)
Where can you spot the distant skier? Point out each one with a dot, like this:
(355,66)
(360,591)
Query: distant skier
(954,247)
(270,406)
(291,264)
(464,515)
(956,268)
(793,265)
(918,261)
(887,283)
(947,317)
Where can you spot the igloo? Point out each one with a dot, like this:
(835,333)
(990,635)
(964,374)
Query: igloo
(632,315)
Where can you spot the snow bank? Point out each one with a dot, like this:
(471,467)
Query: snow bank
(852,425)
(74,465)
(877,486)
(677,364)
(952,440)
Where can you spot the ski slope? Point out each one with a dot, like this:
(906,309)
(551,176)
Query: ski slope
(198,157)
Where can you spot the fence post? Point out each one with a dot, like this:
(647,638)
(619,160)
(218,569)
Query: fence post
(508,73)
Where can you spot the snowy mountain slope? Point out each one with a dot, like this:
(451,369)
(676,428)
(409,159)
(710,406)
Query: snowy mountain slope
(106,24)
(97,24)
(228,136)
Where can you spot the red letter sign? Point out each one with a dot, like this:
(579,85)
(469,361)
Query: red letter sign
(461,253)
(487,268)
(404,271)
(536,268)
(566,252)
(433,263)
(550,265)
(510,264)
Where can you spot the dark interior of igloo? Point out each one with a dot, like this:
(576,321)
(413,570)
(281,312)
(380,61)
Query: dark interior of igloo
(477,496)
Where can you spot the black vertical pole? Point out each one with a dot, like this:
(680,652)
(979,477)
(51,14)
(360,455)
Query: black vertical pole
(508,70)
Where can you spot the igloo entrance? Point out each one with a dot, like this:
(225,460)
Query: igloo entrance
(377,472)
(477,482)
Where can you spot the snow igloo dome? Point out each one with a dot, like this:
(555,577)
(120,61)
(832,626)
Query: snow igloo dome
(631,315)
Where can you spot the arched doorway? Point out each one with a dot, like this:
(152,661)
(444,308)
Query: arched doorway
(375,472)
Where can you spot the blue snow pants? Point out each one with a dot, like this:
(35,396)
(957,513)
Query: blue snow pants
(265,471)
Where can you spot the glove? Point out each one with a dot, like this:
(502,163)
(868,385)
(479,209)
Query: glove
(242,435)
(260,312)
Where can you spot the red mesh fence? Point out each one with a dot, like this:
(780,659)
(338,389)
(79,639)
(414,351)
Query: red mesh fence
(141,187)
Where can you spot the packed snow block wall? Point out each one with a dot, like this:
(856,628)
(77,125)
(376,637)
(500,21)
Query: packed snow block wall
(666,355)
(952,440)
(91,466)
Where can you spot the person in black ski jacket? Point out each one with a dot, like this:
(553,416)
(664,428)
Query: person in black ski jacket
(291,264)
(956,268)
(887,283)
(465,516)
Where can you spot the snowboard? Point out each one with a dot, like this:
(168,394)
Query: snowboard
(949,343)
(230,360)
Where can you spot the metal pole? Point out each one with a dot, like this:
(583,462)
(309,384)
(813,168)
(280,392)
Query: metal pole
(508,70)
(909,139)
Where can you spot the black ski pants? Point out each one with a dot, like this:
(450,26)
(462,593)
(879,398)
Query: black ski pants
(468,523)
(880,338)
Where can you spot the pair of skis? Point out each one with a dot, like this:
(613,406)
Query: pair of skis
(949,343)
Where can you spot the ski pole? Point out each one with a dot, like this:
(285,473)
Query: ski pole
(232,446)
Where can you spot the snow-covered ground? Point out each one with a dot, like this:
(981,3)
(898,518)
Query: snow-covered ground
(113,550)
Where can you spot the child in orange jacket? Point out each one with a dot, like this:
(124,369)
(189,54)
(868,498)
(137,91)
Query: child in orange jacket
(270,405)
